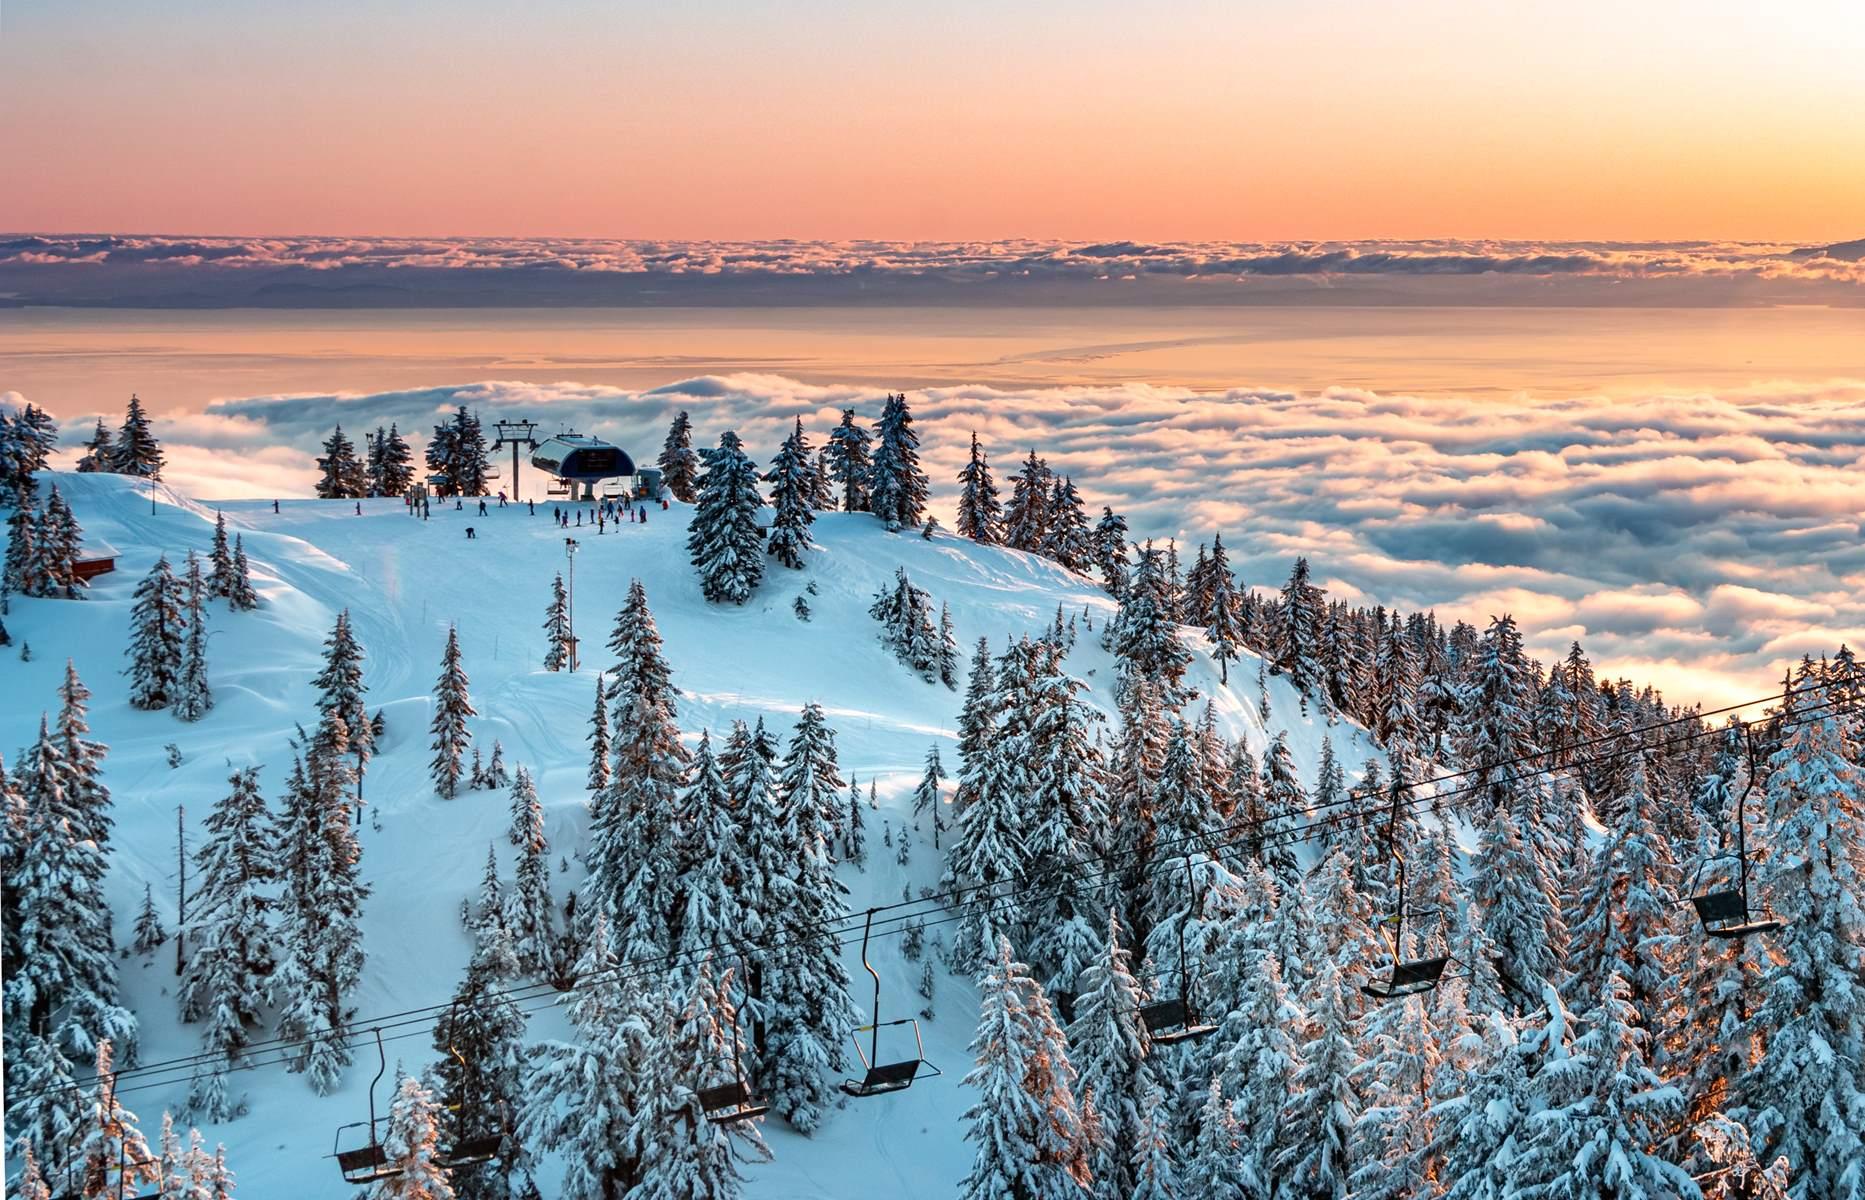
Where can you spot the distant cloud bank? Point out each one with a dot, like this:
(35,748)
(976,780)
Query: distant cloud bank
(184,272)
(1697,539)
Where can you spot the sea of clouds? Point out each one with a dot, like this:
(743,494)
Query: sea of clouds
(160,271)
(1701,540)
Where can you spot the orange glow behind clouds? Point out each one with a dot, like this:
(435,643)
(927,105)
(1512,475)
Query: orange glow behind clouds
(1175,120)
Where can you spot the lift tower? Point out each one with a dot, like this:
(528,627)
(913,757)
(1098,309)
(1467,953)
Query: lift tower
(515,434)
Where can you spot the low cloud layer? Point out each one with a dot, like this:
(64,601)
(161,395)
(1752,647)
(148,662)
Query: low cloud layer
(313,272)
(1698,539)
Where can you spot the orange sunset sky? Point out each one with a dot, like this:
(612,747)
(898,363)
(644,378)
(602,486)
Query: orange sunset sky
(960,119)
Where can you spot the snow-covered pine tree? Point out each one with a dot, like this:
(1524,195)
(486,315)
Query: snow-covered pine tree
(220,578)
(1626,912)
(977,719)
(849,463)
(24,567)
(599,740)
(1024,1123)
(947,649)
(412,1147)
(86,798)
(193,697)
(113,1156)
(907,629)
(529,911)
(59,545)
(583,1096)
(811,775)
(989,854)
(395,474)
(1222,616)
(45,1110)
(478,1079)
(724,540)
(1110,551)
(686,1156)
(228,981)
(341,474)
(710,904)
(1155,1174)
(1514,908)
(678,463)
(926,795)
(1144,634)
(452,706)
(557,627)
(341,697)
(1391,1145)
(1298,631)
(61,974)
(1109,1047)
(897,488)
(1478,1132)
(1065,536)
(632,821)
(136,452)
(148,934)
(157,630)
(99,452)
(1603,1111)
(1217,1167)
(244,598)
(496,775)
(1805,1098)
(1026,517)
(979,510)
(1318,1122)
(791,477)
(806,1014)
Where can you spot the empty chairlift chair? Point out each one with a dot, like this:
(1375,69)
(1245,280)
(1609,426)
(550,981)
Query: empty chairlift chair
(1175,1018)
(1407,976)
(1724,910)
(878,1078)
(731,1103)
(364,1160)
(480,1136)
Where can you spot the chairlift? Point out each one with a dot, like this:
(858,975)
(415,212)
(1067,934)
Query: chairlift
(1407,977)
(879,1078)
(731,1103)
(1175,1019)
(368,1162)
(477,1140)
(1724,912)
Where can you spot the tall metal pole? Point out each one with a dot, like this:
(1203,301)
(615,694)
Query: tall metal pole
(569,553)
(181,884)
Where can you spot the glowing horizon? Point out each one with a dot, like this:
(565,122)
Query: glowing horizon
(1187,121)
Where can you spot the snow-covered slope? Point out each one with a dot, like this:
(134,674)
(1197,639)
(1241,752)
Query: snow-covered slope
(405,581)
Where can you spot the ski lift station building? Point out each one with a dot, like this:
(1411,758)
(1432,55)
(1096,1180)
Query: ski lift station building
(577,463)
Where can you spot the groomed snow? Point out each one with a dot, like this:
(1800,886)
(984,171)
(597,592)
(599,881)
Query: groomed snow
(404,581)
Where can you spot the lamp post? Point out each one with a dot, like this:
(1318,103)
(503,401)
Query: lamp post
(569,554)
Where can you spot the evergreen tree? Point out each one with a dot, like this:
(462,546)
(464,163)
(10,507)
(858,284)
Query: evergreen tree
(1478,1131)
(478,1080)
(557,628)
(599,740)
(686,1156)
(157,631)
(341,473)
(1222,615)
(1065,537)
(632,822)
(678,463)
(148,934)
(24,565)
(1318,1123)
(86,797)
(1155,1176)
(113,1155)
(947,649)
(907,629)
(848,462)
(926,796)
(136,452)
(1217,1168)
(792,481)
(412,1147)
(100,451)
(45,1111)
(244,598)
(60,543)
(528,908)
(1298,633)
(979,511)
(1144,634)
(220,576)
(1110,1046)
(1025,1123)
(724,540)
(452,706)
(897,486)
(1110,551)
(1026,517)
(193,697)
(340,696)
(228,981)
(710,906)
(584,1096)
(1806,1096)
(397,464)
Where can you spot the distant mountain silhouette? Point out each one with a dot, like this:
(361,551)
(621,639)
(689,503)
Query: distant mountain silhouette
(1853,251)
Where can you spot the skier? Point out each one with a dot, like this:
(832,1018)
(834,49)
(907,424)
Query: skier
(530,508)
(501,497)
(482,506)
(275,506)
(470,536)
(359,508)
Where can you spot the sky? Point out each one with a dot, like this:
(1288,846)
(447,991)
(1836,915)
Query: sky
(968,119)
